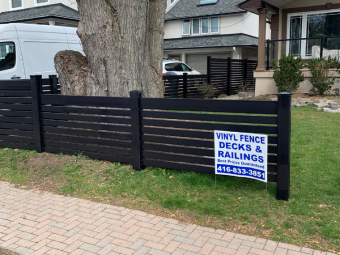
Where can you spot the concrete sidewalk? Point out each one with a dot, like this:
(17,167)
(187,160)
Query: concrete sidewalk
(34,222)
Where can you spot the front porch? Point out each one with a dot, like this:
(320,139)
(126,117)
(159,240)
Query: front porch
(298,27)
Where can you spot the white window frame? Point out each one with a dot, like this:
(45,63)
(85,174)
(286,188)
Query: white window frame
(202,26)
(218,25)
(17,8)
(37,4)
(189,26)
(304,29)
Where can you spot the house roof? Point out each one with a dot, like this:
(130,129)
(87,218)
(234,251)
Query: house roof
(215,41)
(48,11)
(191,8)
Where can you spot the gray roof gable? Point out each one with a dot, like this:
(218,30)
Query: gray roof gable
(48,11)
(191,8)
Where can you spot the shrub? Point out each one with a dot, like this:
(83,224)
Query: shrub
(323,74)
(288,75)
(245,86)
(207,90)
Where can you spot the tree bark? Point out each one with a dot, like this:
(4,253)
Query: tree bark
(123,43)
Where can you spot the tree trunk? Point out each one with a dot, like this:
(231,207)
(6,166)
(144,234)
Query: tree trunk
(123,43)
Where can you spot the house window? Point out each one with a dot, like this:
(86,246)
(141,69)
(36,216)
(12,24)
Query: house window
(16,4)
(214,25)
(205,26)
(172,1)
(195,26)
(313,25)
(201,26)
(208,1)
(186,27)
(41,2)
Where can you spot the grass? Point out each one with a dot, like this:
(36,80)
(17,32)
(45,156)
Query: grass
(310,218)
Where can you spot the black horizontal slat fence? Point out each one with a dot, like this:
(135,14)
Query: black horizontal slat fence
(159,132)
(225,75)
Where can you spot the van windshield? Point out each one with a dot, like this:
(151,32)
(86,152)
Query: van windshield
(7,55)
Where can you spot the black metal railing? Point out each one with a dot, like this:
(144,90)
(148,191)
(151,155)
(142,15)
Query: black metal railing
(304,47)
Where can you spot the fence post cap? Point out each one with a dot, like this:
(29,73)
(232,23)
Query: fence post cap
(139,92)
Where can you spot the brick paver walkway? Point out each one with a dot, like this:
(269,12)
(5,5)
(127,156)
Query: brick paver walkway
(34,222)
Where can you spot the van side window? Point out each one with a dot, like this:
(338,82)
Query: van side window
(7,55)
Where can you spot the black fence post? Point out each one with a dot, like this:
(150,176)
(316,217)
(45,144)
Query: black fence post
(136,129)
(321,46)
(54,84)
(245,69)
(185,85)
(268,54)
(228,76)
(283,145)
(36,87)
(209,70)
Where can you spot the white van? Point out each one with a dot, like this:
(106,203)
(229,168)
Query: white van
(27,49)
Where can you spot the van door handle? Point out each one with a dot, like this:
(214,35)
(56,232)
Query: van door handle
(14,77)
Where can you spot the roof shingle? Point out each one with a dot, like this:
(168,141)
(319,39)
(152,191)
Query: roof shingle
(211,41)
(47,11)
(189,8)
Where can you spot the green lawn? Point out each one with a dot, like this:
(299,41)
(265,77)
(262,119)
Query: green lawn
(311,217)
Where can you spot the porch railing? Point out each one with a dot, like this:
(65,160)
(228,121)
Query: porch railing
(307,48)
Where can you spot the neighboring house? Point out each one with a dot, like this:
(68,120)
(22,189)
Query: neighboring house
(196,29)
(43,12)
(294,19)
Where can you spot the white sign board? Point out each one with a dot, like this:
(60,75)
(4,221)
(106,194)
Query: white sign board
(241,155)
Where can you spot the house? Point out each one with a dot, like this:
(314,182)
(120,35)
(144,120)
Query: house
(195,29)
(44,12)
(292,23)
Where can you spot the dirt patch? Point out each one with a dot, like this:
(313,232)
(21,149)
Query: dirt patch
(296,95)
(7,252)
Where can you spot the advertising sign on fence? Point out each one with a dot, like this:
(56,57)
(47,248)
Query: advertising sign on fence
(241,155)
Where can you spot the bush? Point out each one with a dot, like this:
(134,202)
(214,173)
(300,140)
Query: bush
(288,75)
(206,90)
(323,77)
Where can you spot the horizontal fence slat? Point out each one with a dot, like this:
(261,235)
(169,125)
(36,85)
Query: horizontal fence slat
(206,105)
(17,146)
(15,93)
(16,100)
(16,126)
(93,134)
(83,147)
(62,109)
(94,127)
(179,158)
(107,157)
(86,140)
(210,126)
(189,133)
(178,149)
(177,141)
(16,132)
(15,84)
(16,120)
(118,102)
(11,138)
(16,113)
(210,117)
(59,116)
(19,107)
